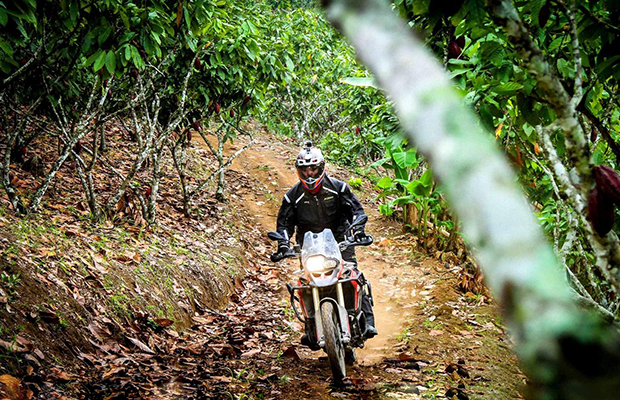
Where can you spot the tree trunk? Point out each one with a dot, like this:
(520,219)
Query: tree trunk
(568,353)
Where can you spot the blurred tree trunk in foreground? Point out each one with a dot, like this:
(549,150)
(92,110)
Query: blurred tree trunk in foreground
(568,353)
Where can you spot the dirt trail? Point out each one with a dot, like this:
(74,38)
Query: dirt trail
(433,341)
(425,327)
(274,164)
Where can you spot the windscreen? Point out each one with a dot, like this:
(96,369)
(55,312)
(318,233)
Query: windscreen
(322,243)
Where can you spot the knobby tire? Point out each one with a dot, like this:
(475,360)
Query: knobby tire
(333,345)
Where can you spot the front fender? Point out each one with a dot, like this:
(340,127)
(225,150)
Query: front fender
(343,320)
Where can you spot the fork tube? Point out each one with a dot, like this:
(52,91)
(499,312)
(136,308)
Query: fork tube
(340,294)
(317,315)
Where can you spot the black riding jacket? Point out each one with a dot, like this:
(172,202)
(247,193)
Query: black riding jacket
(334,206)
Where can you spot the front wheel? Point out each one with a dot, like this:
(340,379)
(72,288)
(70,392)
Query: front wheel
(333,345)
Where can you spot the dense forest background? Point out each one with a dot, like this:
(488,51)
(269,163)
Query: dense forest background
(541,75)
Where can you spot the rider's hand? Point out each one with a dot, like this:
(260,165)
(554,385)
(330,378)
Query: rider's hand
(359,234)
(283,248)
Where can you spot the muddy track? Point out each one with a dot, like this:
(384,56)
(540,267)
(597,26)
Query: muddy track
(425,326)
(433,341)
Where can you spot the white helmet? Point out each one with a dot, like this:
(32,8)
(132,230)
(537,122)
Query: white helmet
(310,165)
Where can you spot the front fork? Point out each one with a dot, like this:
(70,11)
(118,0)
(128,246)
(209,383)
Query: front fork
(341,310)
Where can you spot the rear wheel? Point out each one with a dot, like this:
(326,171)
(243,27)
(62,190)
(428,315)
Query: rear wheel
(333,345)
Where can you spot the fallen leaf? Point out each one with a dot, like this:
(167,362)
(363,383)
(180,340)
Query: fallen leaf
(11,388)
(225,379)
(250,353)
(141,346)
(12,347)
(291,353)
(163,322)
(61,375)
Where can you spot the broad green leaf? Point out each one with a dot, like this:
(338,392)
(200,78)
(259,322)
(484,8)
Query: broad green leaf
(6,47)
(420,6)
(406,159)
(403,200)
(289,63)
(110,62)
(427,178)
(565,68)
(360,81)
(92,58)
(492,52)
(535,6)
(605,69)
(74,11)
(100,61)
(557,42)
(384,183)
(137,59)
(508,88)
(4,18)
(104,35)
(125,20)
(379,163)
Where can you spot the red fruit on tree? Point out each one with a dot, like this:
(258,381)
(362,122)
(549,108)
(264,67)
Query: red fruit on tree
(196,125)
(109,92)
(147,192)
(217,108)
(246,100)
(197,63)
(24,151)
(608,182)
(101,72)
(232,113)
(357,130)
(78,147)
(460,41)
(600,211)
(105,82)
(454,51)
(189,136)
(136,73)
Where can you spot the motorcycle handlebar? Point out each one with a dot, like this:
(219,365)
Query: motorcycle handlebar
(365,241)
(275,257)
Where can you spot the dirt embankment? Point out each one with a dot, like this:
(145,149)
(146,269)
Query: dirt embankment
(130,312)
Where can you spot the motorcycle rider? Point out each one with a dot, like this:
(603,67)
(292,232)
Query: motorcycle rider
(317,202)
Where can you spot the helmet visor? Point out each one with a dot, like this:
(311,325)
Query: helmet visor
(311,175)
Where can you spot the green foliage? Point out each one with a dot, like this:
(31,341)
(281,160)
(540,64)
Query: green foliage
(10,282)
(355,183)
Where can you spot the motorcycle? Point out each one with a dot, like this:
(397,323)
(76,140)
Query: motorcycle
(329,295)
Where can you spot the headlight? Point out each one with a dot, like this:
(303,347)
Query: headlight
(319,264)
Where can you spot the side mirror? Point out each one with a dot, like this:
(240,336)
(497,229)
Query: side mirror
(275,236)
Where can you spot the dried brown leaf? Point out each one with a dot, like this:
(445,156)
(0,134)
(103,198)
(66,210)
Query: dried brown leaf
(141,346)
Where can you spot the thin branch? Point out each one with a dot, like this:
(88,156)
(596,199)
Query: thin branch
(578,88)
